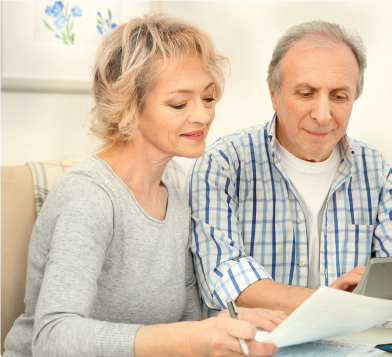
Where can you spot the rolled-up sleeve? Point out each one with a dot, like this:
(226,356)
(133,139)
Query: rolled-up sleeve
(223,268)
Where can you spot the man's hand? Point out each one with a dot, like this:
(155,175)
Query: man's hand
(264,318)
(350,280)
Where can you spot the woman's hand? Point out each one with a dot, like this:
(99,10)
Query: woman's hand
(218,336)
(264,318)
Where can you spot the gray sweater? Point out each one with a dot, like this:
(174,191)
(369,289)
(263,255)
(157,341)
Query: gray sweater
(99,267)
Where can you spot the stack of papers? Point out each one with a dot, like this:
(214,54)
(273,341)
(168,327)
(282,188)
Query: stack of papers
(328,313)
(329,348)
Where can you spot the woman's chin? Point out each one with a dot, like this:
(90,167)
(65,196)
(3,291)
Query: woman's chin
(194,153)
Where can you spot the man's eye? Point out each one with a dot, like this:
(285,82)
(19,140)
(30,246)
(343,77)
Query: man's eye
(339,97)
(306,95)
(178,107)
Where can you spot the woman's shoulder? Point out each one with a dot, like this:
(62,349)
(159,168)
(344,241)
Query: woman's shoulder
(89,175)
(89,182)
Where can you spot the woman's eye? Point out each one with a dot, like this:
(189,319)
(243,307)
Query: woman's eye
(178,107)
(209,100)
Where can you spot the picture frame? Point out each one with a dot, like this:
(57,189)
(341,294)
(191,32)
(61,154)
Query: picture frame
(49,46)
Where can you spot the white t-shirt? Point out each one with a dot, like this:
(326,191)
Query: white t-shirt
(311,182)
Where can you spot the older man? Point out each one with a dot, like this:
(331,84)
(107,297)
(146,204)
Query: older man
(281,208)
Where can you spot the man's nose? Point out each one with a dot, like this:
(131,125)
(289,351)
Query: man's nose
(200,114)
(322,111)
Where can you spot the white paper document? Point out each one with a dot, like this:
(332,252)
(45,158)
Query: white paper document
(328,313)
(326,348)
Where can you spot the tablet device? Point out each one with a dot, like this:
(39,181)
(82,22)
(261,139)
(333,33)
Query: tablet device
(377,279)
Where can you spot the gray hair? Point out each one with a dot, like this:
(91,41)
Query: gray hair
(313,30)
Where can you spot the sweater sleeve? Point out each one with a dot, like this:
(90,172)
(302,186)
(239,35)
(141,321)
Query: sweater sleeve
(193,308)
(79,224)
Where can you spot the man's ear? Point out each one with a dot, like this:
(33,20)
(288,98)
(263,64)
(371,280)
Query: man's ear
(273,98)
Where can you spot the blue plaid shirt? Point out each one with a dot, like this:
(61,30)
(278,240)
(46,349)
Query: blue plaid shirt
(247,223)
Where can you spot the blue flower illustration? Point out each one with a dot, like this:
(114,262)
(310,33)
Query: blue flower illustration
(60,21)
(57,8)
(76,11)
(48,10)
(105,25)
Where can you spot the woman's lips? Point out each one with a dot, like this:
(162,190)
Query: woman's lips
(197,135)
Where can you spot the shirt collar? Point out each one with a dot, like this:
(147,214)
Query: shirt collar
(346,143)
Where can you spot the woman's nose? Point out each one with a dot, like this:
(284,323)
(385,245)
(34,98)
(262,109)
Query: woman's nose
(200,114)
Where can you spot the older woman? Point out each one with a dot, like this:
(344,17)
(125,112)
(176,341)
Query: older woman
(110,272)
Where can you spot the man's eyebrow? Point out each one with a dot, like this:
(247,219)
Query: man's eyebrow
(188,90)
(304,85)
(344,88)
(307,85)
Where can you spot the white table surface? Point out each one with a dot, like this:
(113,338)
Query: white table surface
(376,335)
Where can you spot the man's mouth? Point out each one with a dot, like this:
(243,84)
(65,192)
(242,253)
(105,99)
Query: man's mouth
(321,134)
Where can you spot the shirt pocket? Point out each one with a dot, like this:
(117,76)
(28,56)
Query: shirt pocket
(358,245)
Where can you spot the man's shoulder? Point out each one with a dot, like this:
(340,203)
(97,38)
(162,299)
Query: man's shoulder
(359,147)
(238,138)
(363,152)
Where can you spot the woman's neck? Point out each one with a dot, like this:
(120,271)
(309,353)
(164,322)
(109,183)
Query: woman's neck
(139,165)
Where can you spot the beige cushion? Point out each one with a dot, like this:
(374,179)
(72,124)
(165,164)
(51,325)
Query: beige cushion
(17,221)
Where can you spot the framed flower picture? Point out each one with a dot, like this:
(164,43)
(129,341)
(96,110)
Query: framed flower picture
(49,46)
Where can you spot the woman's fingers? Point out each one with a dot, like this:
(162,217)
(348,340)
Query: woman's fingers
(221,334)
(261,349)
(240,329)
(243,329)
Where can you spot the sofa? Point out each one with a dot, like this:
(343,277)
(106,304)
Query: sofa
(23,191)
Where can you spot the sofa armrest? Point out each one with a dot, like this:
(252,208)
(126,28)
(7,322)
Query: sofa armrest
(17,221)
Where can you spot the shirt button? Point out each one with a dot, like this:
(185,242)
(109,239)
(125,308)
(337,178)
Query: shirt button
(301,263)
(299,220)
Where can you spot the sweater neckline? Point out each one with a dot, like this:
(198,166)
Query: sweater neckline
(169,204)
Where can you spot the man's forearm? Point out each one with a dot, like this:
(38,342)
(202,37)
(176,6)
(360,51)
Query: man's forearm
(268,294)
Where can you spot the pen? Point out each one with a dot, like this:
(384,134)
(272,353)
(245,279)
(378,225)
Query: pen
(234,314)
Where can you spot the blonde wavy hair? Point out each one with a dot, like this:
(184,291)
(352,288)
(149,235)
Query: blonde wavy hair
(125,70)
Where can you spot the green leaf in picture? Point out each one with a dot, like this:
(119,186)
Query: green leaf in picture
(64,38)
(71,27)
(48,26)
(99,22)
(66,9)
(67,28)
(73,38)
(110,15)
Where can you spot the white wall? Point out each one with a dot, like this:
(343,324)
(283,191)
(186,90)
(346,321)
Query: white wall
(48,126)
(44,126)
